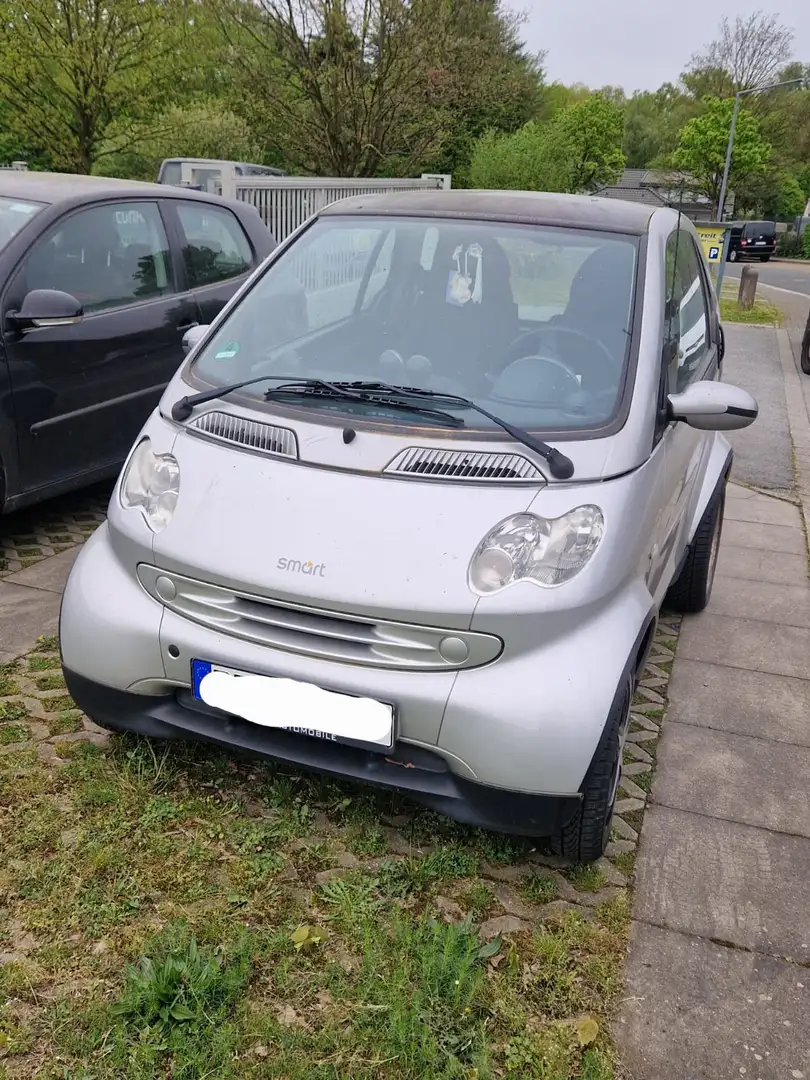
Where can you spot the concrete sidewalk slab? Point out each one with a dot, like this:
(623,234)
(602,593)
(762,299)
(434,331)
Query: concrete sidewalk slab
(788,605)
(752,565)
(694,1010)
(51,574)
(770,538)
(747,643)
(25,614)
(742,702)
(751,781)
(760,508)
(714,879)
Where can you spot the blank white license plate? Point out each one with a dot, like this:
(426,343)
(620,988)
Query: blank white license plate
(299,707)
(759,243)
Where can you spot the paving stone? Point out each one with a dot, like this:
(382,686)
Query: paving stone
(50,574)
(751,781)
(760,508)
(693,1010)
(25,615)
(503,924)
(748,644)
(724,881)
(633,791)
(769,538)
(788,605)
(745,702)
(750,565)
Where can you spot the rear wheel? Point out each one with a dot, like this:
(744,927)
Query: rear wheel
(764,258)
(691,590)
(585,837)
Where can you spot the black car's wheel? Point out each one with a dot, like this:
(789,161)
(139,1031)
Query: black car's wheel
(585,837)
(764,258)
(732,255)
(805,355)
(691,590)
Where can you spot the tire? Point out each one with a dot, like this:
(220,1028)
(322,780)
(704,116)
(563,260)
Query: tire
(586,835)
(732,255)
(692,589)
(764,258)
(805,354)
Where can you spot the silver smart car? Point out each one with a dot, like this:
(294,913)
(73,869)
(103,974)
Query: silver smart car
(410,509)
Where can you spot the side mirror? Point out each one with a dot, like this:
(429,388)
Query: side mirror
(713,406)
(192,336)
(47,307)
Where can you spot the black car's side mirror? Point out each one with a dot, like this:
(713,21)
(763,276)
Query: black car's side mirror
(47,307)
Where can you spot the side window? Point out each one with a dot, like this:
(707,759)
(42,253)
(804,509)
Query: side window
(215,246)
(687,330)
(330,271)
(106,256)
(382,268)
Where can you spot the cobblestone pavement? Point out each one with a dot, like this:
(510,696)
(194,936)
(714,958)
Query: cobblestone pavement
(34,534)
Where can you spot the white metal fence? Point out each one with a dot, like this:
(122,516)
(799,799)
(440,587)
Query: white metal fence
(285,202)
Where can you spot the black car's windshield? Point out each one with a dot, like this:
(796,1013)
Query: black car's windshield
(14,213)
(532,323)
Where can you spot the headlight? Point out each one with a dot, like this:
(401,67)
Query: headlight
(151,484)
(545,551)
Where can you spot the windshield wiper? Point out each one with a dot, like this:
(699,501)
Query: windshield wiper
(183,408)
(560,466)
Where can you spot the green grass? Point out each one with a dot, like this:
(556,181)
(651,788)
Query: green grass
(762,312)
(183,914)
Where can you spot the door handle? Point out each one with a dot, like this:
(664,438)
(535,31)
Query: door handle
(183,326)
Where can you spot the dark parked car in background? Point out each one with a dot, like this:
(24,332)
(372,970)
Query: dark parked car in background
(751,239)
(99,281)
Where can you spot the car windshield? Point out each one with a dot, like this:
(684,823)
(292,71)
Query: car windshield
(533,323)
(14,213)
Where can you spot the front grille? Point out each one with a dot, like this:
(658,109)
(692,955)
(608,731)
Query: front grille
(266,438)
(314,632)
(494,467)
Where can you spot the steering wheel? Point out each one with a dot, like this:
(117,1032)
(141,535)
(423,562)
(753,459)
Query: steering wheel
(522,386)
(557,328)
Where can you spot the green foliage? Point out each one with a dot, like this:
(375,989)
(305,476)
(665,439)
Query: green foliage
(529,160)
(182,984)
(591,132)
(806,241)
(702,143)
(791,200)
(82,78)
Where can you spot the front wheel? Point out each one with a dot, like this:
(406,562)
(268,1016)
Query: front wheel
(691,590)
(586,836)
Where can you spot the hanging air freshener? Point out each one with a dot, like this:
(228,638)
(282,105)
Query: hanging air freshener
(477,253)
(459,286)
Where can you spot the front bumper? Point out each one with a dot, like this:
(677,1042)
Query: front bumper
(423,775)
(527,724)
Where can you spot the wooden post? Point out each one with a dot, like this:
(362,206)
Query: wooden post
(749,279)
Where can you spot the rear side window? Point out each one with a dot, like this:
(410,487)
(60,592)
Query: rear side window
(759,228)
(215,246)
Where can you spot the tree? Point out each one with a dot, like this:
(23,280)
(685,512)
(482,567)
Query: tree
(81,77)
(652,120)
(702,143)
(529,160)
(792,199)
(750,51)
(355,86)
(592,132)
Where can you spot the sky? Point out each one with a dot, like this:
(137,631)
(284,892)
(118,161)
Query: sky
(638,44)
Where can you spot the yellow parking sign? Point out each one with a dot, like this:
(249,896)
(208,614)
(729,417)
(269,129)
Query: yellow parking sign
(711,239)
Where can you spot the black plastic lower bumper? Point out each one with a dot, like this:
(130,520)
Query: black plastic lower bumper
(423,775)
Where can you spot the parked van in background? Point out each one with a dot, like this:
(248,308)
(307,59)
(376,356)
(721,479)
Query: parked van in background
(754,239)
(205,174)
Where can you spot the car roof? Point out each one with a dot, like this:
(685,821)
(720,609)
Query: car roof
(531,207)
(53,188)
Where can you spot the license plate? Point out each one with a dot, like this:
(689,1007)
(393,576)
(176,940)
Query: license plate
(298,707)
(760,243)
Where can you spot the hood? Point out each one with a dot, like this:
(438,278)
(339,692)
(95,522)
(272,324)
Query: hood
(355,542)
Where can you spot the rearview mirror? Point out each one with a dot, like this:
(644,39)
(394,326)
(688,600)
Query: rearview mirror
(713,406)
(47,307)
(192,336)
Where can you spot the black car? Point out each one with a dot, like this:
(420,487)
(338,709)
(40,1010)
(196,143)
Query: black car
(99,281)
(751,239)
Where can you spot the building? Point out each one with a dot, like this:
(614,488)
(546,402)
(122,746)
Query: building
(654,187)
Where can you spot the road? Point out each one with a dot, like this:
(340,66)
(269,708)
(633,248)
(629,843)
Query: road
(783,274)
